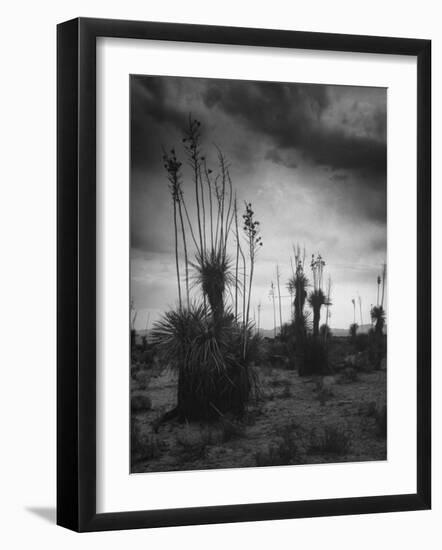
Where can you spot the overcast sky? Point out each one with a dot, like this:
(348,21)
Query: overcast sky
(310,158)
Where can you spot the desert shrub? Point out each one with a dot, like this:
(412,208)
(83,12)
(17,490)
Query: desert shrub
(192,445)
(324,395)
(349,375)
(325,332)
(361,342)
(315,357)
(143,447)
(278,382)
(256,352)
(231,429)
(380,417)
(284,451)
(331,440)
(286,392)
(251,415)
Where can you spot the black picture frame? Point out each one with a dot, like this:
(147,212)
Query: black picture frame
(76,274)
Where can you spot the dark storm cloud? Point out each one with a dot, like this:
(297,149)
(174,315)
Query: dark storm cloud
(152,114)
(311,158)
(275,156)
(292,116)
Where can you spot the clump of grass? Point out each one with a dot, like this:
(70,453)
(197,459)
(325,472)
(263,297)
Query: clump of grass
(332,440)
(286,392)
(193,445)
(324,392)
(315,357)
(380,417)
(349,375)
(324,395)
(278,382)
(143,447)
(231,429)
(284,451)
(377,411)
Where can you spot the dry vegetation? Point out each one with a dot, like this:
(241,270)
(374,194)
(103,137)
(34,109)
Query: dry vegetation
(207,391)
(293,420)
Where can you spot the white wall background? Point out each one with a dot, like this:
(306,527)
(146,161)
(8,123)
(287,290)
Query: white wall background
(27,287)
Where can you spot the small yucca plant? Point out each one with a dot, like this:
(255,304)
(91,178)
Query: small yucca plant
(353,330)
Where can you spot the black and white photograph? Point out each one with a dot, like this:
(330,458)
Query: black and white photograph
(258,318)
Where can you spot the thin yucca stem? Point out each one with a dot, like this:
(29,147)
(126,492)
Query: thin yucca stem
(384,271)
(229,217)
(235,209)
(279,296)
(183,202)
(186,258)
(176,251)
(210,202)
(203,206)
(223,193)
(244,293)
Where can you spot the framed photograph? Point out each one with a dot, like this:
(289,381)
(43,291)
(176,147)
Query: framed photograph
(243,274)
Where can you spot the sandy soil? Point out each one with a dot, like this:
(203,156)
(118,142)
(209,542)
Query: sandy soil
(294,421)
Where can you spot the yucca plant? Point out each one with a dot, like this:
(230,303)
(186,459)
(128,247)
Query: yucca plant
(353,331)
(378,318)
(377,313)
(325,332)
(213,274)
(204,339)
(316,300)
(213,375)
(297,286)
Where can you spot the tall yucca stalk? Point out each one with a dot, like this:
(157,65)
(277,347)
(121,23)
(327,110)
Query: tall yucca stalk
(254,242)
(278,277)
(172,166)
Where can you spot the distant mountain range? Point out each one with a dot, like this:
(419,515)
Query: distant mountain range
(362,329)
(269,333)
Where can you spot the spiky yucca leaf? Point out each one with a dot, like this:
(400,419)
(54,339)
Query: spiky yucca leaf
(213,274)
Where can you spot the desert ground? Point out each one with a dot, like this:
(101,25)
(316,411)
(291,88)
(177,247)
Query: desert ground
(338,417)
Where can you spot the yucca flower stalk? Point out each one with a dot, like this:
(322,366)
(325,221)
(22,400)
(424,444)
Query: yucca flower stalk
(272,297)
(278,276)
(254,243)
(327,312)
(192,146)
(235,209)
(172,166)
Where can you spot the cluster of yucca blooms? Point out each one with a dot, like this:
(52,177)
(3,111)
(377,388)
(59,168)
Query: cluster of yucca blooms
(206,338)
